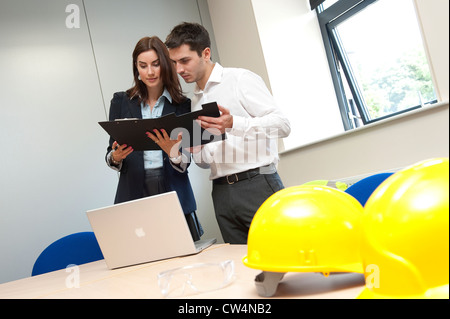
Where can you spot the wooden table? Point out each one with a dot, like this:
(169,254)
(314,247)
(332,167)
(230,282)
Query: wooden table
(95,281)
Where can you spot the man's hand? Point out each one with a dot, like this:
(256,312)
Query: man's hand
(217,125)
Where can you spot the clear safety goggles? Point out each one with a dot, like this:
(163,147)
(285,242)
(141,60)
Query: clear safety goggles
(196,279)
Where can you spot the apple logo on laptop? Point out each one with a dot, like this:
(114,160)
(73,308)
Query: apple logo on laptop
(140,232)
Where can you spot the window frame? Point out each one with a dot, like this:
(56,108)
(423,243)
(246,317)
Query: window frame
(329,19)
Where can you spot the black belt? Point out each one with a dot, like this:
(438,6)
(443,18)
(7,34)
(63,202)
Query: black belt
(234,178)
(154,171)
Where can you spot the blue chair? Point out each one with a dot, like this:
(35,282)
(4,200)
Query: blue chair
(74,249)
(362,189)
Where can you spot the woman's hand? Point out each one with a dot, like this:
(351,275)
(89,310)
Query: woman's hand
(171,147)
(120,152)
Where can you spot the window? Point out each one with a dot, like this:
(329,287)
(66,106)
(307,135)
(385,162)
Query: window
(376,57)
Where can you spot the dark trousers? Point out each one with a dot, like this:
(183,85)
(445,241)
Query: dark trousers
(236,204)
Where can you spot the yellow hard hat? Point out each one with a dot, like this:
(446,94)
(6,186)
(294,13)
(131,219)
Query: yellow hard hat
(306,229)
(405,247)
(323,182)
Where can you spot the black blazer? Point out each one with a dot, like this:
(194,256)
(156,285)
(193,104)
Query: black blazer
(132,174)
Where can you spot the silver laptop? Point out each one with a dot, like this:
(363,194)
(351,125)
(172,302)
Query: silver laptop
(144,230)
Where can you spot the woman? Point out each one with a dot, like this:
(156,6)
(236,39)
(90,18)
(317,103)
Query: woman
(157,92)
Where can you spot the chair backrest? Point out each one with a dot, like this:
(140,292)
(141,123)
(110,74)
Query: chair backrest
(74,249)
(362,189)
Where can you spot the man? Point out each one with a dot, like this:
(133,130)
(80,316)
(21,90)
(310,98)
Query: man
(243,166)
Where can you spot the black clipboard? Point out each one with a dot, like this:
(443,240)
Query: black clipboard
(132,132)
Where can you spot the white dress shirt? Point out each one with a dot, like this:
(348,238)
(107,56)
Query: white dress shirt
(257,122)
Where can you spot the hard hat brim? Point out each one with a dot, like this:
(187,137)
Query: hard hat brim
(351,268)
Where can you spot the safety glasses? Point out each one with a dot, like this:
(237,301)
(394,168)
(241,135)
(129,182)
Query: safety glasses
(195,279)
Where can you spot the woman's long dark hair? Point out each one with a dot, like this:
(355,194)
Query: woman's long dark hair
(168,72)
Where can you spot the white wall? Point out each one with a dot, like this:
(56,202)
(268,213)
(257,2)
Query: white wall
(52,162)
(384,146)
(298,69)
(51,168)
(433,18)
(237,36)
